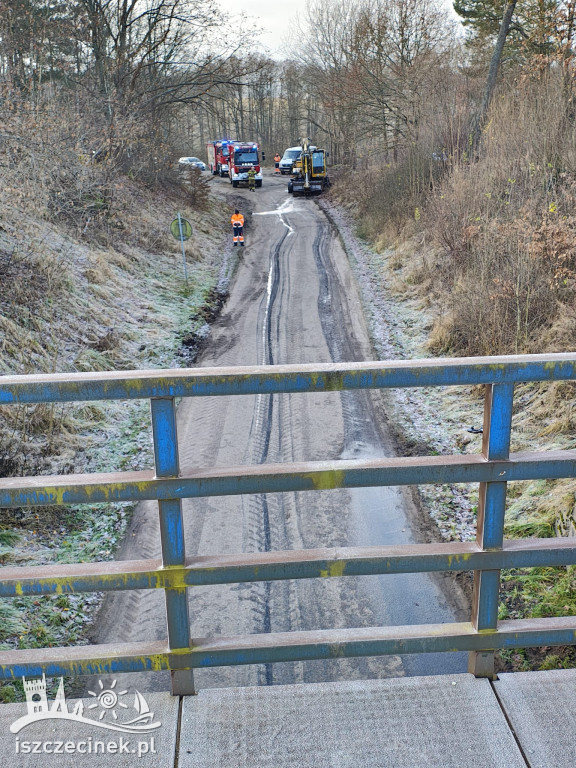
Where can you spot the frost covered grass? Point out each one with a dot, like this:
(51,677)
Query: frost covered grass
(435,421)
(121,307)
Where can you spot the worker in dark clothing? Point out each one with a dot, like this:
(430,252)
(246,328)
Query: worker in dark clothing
(251,179)
(237,222)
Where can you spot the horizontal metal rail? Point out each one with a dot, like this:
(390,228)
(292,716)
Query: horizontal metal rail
(277,478)
(285,646)
(281,565)
(270,379)
(168,483)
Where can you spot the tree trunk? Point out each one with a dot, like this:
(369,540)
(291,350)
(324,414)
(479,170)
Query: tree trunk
(492,74)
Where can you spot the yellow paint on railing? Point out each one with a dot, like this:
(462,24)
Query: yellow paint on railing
(326,480)
(336,568)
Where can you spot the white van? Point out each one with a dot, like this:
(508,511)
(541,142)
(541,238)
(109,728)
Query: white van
(290,156)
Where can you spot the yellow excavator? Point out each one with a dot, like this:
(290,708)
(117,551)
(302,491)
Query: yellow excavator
(309,174)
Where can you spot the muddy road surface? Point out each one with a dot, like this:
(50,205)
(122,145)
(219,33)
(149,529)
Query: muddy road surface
(294,300)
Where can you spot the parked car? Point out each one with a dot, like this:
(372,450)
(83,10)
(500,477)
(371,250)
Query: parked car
(195,161)
(290,156)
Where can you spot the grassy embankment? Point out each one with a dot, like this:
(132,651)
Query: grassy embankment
(479,258)
(90,280)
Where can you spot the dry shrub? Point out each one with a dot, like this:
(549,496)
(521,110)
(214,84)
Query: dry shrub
(47,168)
(30,279)
(561,335)
(506,228)
(501,293)
(388,199)
(30,434)
(195,186)
(63,160)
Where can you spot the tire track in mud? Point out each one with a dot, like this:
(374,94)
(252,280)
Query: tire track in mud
(360,423)
(261,430)
(279,516)
(366,437)
(333,602)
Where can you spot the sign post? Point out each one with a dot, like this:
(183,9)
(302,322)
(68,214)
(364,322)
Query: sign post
(181,229)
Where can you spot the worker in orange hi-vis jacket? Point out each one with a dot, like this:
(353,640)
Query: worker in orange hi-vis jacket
(277,159)
(238,227)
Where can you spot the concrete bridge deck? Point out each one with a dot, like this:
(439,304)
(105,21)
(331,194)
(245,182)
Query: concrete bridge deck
(449,721)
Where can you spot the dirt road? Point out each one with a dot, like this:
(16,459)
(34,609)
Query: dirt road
(294,300)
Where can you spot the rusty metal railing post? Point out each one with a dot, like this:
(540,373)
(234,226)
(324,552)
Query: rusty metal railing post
(490,521)
(172,535)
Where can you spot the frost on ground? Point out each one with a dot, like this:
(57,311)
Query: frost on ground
(428,420)
(73,305)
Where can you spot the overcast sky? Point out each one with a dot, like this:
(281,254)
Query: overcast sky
(275,16)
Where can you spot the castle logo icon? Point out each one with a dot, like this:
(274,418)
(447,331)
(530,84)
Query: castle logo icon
(109,705)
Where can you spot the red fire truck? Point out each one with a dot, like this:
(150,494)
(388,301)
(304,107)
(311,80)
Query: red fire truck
(218,156)
(243,156)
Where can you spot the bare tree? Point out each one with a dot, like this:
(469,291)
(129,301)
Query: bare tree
(370,63)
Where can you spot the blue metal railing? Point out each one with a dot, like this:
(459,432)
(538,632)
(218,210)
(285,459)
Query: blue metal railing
(493,468)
